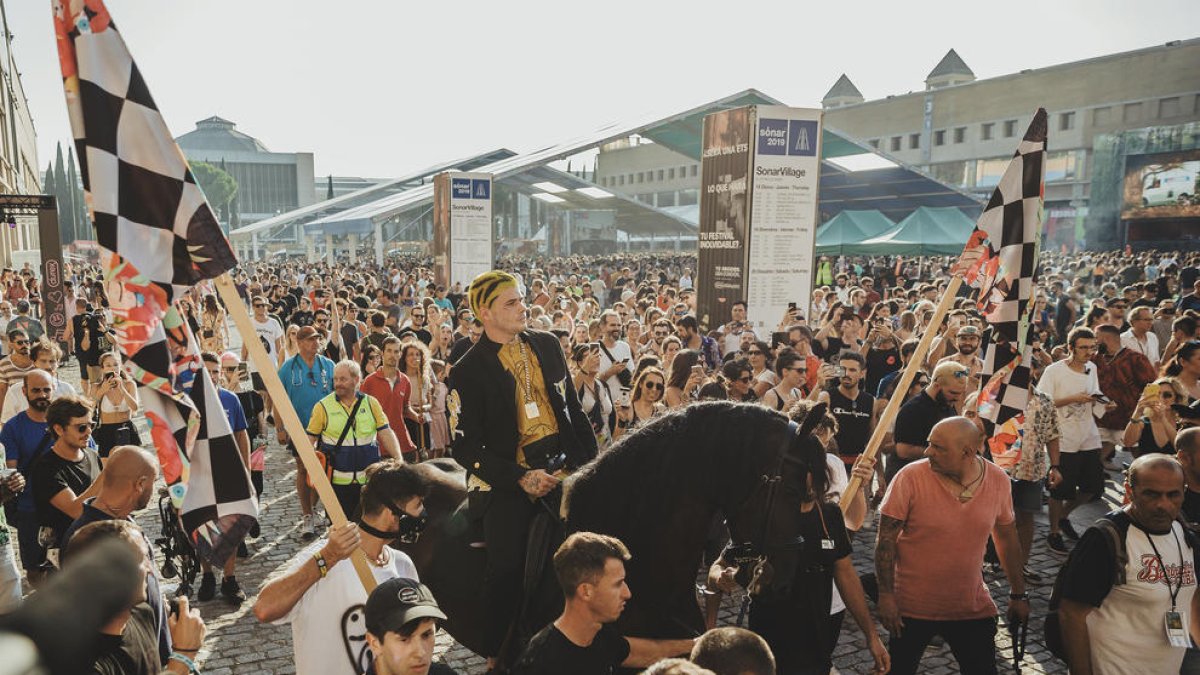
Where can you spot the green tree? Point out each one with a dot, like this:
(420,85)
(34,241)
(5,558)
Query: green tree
(218,186)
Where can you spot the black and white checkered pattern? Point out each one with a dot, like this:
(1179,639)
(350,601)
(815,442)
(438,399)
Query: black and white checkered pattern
(1010,230)
(159,238)
(145,203)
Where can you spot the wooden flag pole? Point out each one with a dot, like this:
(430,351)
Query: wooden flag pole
(285,413)
(906,378)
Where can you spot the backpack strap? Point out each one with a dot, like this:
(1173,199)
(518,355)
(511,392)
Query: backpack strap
(1116,544)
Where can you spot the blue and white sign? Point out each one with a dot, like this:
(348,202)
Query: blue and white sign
(460,188)
(481,188)
(783,213)
(470,226)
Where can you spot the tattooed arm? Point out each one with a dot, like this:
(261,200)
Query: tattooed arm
(885,573)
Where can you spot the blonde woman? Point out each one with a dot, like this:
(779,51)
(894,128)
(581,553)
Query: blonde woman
(414,360)
(116,397)
(214,332)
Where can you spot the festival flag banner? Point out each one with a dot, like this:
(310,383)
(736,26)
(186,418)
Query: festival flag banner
(1000,260)
(158,238)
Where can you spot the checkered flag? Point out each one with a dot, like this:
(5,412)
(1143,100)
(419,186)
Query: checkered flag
(1000,260)
(158,239)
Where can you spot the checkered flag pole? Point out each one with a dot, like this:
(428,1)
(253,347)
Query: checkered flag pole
(1001,262)
(159,239)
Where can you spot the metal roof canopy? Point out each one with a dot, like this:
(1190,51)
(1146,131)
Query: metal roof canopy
(346,201)
(896,190)
(632,216)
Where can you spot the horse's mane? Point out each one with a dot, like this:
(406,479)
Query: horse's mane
(684,454)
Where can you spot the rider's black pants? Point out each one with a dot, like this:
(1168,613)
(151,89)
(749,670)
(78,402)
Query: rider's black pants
(506,531)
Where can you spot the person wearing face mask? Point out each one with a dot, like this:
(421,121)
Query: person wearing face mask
(322,587)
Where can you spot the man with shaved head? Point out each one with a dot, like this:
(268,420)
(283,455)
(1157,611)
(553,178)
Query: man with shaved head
(1129,609)
(126,486)
(934,525)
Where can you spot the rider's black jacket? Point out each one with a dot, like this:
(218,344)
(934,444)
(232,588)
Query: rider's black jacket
(482,406)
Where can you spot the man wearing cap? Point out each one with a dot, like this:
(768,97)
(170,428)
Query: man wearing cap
(307,378)
(515,422)
(321,595)
(401,618)
(967,343)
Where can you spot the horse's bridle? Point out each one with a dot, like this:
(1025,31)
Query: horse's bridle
(756,551)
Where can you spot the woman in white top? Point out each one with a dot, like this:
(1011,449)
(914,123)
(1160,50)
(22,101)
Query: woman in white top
(116,396)
(595,398)
(414,360)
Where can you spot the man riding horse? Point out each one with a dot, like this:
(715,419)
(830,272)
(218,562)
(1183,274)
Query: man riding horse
(517,427)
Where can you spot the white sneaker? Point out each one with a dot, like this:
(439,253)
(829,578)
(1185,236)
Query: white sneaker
(307,531)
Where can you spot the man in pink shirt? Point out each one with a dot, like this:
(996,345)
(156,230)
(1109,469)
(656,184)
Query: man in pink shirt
(934,524)
(392,389)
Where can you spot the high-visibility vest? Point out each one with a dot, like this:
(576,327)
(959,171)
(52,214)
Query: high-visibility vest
(359,450)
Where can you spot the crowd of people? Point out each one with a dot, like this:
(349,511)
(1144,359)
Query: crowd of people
(534,369)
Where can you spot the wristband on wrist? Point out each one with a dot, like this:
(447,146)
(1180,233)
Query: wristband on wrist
(190,664)
(322,566)
(1018,596)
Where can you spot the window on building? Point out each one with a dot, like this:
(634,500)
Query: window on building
(989,171)
(895,144)
(695,169)
(914,141)
(661,174)
(1168,107)
(683,172)
(939,137)
(874,143)
(664,199)
(689,197)
(641,177)
(646,198)
(1066,121)
(671,173)
(1060,165)
(1102,117)
(1010,128)
(987,130)
(622,177)
(1132,112)
(960,134)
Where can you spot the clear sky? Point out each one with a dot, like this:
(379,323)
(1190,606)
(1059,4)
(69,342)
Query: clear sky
(380,87)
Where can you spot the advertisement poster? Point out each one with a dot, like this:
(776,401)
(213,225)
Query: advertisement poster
(1162,185)
(54,306)
(462,226)
(724,214)
(783,213)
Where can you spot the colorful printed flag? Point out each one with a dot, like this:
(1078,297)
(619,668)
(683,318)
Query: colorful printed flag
(1001,261)
(158,239)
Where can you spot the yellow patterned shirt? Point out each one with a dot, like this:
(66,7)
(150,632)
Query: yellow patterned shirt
(516,357)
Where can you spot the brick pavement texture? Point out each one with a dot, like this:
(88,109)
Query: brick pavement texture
(238,644)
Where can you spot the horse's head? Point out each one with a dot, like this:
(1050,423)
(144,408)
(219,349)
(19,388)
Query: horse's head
(764,529)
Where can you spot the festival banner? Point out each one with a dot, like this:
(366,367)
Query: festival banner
(724,214)
(783,213)
(54,302)
(463,232)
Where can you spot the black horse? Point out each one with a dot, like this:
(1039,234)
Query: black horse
(658,491)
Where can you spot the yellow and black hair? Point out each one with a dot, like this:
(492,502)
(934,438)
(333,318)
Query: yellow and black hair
(486,287)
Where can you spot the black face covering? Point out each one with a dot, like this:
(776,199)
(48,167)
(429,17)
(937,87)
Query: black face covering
(408,531)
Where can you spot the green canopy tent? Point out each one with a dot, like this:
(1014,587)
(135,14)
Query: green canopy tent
(850,227)
(926,231)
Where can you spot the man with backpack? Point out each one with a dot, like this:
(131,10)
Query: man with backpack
(1126,595)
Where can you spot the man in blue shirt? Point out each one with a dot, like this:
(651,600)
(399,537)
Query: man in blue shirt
(307,378)
(24,438)
(230,588)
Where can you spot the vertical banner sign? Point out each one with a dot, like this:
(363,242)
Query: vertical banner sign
(462,226)
(724,214)
(783,213)
(441,230)
(54,305)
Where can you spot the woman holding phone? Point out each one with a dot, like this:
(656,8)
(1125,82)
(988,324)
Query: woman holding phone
(1154,430)
(687,374)
(116,396)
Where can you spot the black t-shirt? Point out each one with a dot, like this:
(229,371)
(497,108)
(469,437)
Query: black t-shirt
(880,364)
(135,651)
(302,318)
(854,421)
(1191,507)
(913,424)
(422,335)
(461,346)
(1092,567)
(551,653)
(252,405)
(50,474)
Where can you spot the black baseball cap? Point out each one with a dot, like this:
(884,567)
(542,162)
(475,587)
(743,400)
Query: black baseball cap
(396,602)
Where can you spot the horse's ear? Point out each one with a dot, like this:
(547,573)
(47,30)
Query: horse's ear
(812,419)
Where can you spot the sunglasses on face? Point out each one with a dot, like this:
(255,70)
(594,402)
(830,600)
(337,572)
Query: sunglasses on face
(259,304)
(20,342)
(654,385)
(754,352)
(84,427)
(1166,396)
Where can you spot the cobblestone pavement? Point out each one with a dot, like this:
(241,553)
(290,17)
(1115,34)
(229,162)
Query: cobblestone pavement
(238,644)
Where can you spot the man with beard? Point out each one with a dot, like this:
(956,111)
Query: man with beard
(45,357)
(25,438)
(916,418)
(967,343)
(416,324)
(66,475)
(125,488)
(853,408)
(392,389)
(615,356)
(18,362)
